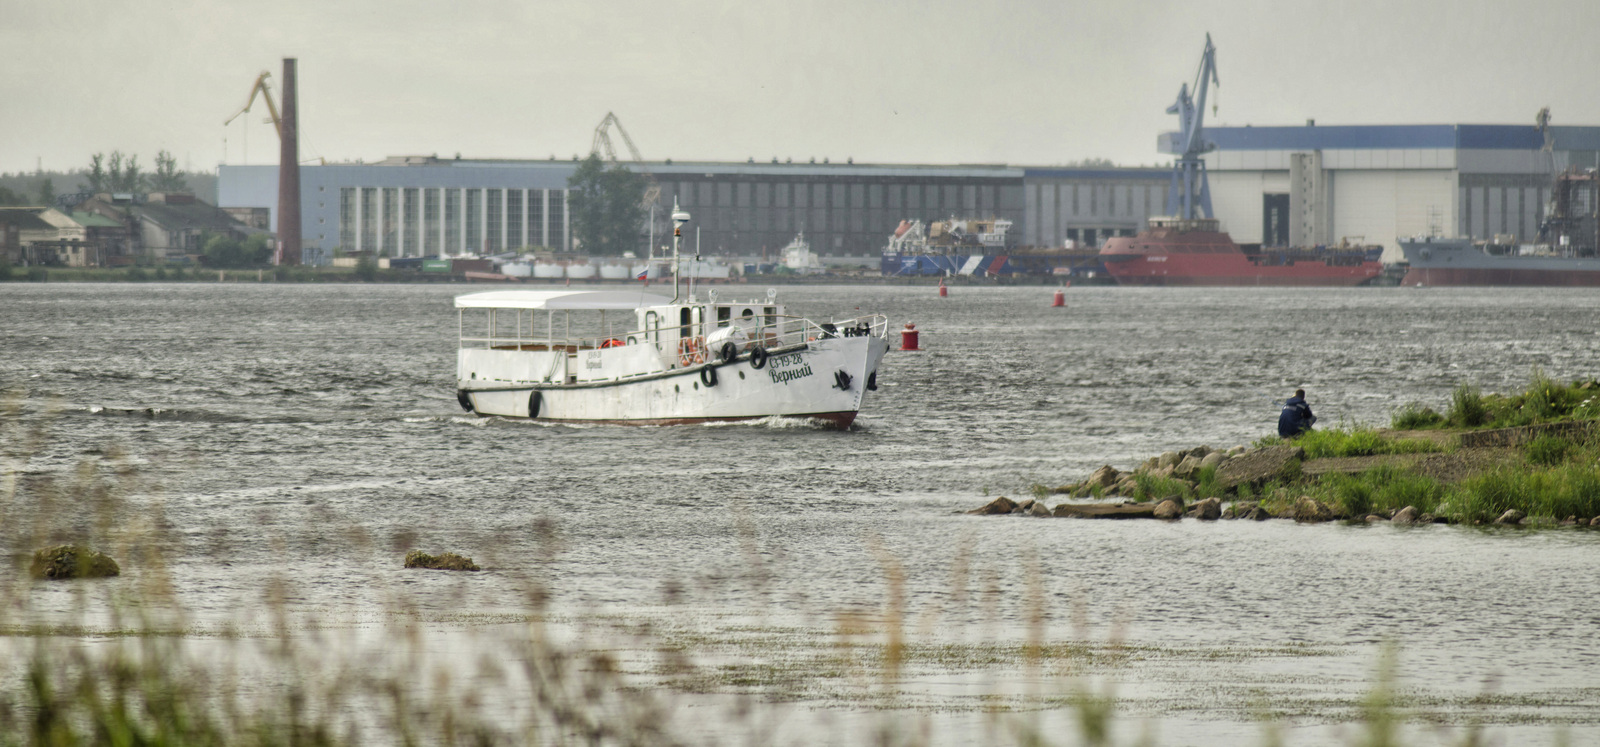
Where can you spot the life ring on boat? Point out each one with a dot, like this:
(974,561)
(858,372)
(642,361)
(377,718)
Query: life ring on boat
(465,399)
(691,351)
(758,357)
(611,343)
(728,352)
(708,376)
(534,400)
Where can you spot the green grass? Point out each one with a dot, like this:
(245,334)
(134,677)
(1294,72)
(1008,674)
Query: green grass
(1150,487)
(1467,407)
(1415,416)
(1379,490)
(1555,493)
(1545,400)
(1322,444)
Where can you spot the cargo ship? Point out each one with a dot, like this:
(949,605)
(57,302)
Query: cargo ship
(1194,251)
(1568,253)
(1440,261)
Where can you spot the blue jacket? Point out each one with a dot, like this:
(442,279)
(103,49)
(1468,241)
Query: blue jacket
(1296,418)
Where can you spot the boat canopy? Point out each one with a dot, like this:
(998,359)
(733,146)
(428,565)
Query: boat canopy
(561,300)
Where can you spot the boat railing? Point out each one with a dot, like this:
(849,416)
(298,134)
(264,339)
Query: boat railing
(778,332)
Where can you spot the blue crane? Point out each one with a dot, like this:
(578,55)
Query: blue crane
(1190,193)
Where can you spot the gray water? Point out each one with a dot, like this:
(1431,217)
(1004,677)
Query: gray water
(313,430)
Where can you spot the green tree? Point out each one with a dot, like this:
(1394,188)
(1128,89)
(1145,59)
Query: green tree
(47,192)
(607,218)
(7,197)
(99,180)
(124,175)
(167,177)
(367,269)
(256,249)
(225,252)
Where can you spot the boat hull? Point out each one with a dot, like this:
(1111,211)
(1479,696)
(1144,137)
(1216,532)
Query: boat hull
(1457,262)
(799,382)
(1211,258)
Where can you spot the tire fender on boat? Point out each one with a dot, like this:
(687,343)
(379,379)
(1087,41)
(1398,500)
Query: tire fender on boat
(758,357)
(708,376)
(534,400)
(465,399)
(728,352)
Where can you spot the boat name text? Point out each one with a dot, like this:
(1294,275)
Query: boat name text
(786,368)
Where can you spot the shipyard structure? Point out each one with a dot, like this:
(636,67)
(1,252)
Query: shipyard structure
(1298,186)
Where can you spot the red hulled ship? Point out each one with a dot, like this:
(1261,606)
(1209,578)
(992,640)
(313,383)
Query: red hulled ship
(1176,251)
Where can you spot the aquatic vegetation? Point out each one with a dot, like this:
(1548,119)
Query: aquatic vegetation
(442,562)
(71,561)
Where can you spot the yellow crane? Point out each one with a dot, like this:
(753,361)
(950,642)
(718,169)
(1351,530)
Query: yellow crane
(262,88)
(265,91)
(602,145)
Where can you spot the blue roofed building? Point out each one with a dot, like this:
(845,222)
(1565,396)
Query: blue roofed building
(1310,185)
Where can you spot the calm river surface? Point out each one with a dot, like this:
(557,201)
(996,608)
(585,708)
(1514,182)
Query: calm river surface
(313,431)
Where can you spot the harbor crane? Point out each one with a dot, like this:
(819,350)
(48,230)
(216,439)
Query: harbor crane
(1189,197)
(602,145)
(265,91)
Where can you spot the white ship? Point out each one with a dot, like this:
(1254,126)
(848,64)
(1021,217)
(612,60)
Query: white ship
(554,355)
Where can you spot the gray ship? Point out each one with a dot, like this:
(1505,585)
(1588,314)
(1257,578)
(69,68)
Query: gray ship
(1566,256)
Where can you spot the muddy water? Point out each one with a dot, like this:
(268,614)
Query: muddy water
(313,431)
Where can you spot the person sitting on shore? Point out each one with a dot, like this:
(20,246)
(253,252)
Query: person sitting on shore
(1296,417)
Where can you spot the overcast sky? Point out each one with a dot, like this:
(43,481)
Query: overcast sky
(1034,82)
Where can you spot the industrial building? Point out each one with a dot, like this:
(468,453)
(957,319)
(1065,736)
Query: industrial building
(420,206)
(1319,185)
(1282,186)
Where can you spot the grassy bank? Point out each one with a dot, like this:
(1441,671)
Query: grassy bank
(1547,467)
(1550,478)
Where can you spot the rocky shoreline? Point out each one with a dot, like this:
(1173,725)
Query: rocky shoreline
(1241,483)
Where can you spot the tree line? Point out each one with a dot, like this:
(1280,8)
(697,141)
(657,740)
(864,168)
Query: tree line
(114,173)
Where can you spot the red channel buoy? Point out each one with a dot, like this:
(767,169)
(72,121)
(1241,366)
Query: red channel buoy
(908,337)
(1060,298)
(943,291)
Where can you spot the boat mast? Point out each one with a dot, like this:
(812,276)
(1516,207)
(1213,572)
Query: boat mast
(679,217)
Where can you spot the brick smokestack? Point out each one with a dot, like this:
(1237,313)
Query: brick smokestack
(289,172)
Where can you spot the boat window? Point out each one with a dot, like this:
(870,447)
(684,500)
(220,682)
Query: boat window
(685,318)
(652,326)
(723,315)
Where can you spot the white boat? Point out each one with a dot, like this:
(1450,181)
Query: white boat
(553,355)
(798,256)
